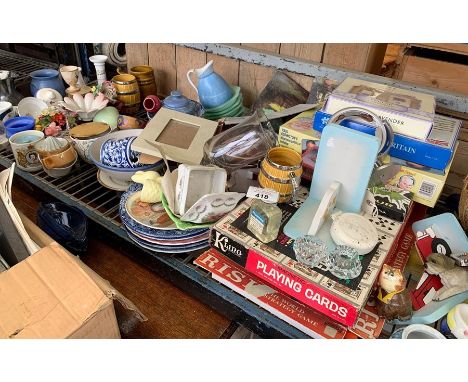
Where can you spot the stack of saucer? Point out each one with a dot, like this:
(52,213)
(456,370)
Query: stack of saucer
(149,226)
(231,108)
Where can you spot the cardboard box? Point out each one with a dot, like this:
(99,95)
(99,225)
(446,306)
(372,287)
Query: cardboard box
(295,134)
(48,295)
(52,294)
(434,152)
(275,262)
(426,186)
(408,112)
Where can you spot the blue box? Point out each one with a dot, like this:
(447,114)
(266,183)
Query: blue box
(435,152)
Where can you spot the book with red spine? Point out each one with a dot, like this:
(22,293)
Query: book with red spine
(368,324)
(281,305)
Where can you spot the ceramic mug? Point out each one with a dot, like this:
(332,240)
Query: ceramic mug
(128,92)
(145,78)
(421,332)
(281,171)
(118,153)
(22,145)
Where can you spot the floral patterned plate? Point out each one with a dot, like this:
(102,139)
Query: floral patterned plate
(152,215)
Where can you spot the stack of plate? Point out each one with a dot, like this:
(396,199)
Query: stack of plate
(231,108)
(149,226)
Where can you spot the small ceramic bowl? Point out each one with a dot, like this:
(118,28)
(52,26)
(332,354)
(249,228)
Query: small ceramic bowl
(31,107)
(51,146)
(16,124)
(84,135)
(60,160)
(421,332)
(61,171)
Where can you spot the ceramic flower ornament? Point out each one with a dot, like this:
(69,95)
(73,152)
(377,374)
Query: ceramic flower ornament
(52,130)
(151,191)
(86,107)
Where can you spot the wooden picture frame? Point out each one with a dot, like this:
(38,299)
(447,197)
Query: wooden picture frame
(181,136)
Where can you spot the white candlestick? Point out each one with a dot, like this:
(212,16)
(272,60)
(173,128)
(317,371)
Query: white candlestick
(99,62)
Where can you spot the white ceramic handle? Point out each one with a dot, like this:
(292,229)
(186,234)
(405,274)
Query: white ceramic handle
(190,80)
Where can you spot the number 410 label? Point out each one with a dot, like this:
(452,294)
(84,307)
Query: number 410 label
(266,194)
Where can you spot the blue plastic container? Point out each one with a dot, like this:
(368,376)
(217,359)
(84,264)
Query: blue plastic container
(16,124)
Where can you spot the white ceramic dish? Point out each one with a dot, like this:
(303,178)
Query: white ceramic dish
(49,95)
(355,231)
(86,107)
(106,181)
(119,175)
(31,106)
(193,182)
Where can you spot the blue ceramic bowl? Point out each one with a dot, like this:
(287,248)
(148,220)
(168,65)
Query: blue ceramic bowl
(16,124)
(123,174)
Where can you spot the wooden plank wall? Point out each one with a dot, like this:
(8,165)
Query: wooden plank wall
(171,63)
(450,76)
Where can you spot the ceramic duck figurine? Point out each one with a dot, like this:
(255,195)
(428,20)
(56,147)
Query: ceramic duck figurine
(151,191)
(212,89)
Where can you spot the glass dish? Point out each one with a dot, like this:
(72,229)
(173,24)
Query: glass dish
(311,251)
(345,263)
(241,145)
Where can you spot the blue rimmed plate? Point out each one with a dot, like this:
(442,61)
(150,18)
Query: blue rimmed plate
(172,242)
(168,249)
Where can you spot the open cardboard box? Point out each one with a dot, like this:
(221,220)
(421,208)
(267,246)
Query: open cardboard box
(52,294)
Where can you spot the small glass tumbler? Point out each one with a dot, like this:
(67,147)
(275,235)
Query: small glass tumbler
(311,251)
(345,263)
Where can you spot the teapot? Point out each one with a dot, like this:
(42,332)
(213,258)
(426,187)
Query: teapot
(212,89)
(176,101)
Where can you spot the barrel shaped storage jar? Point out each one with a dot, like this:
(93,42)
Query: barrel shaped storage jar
(145,77)
(128,93)
(281,171)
